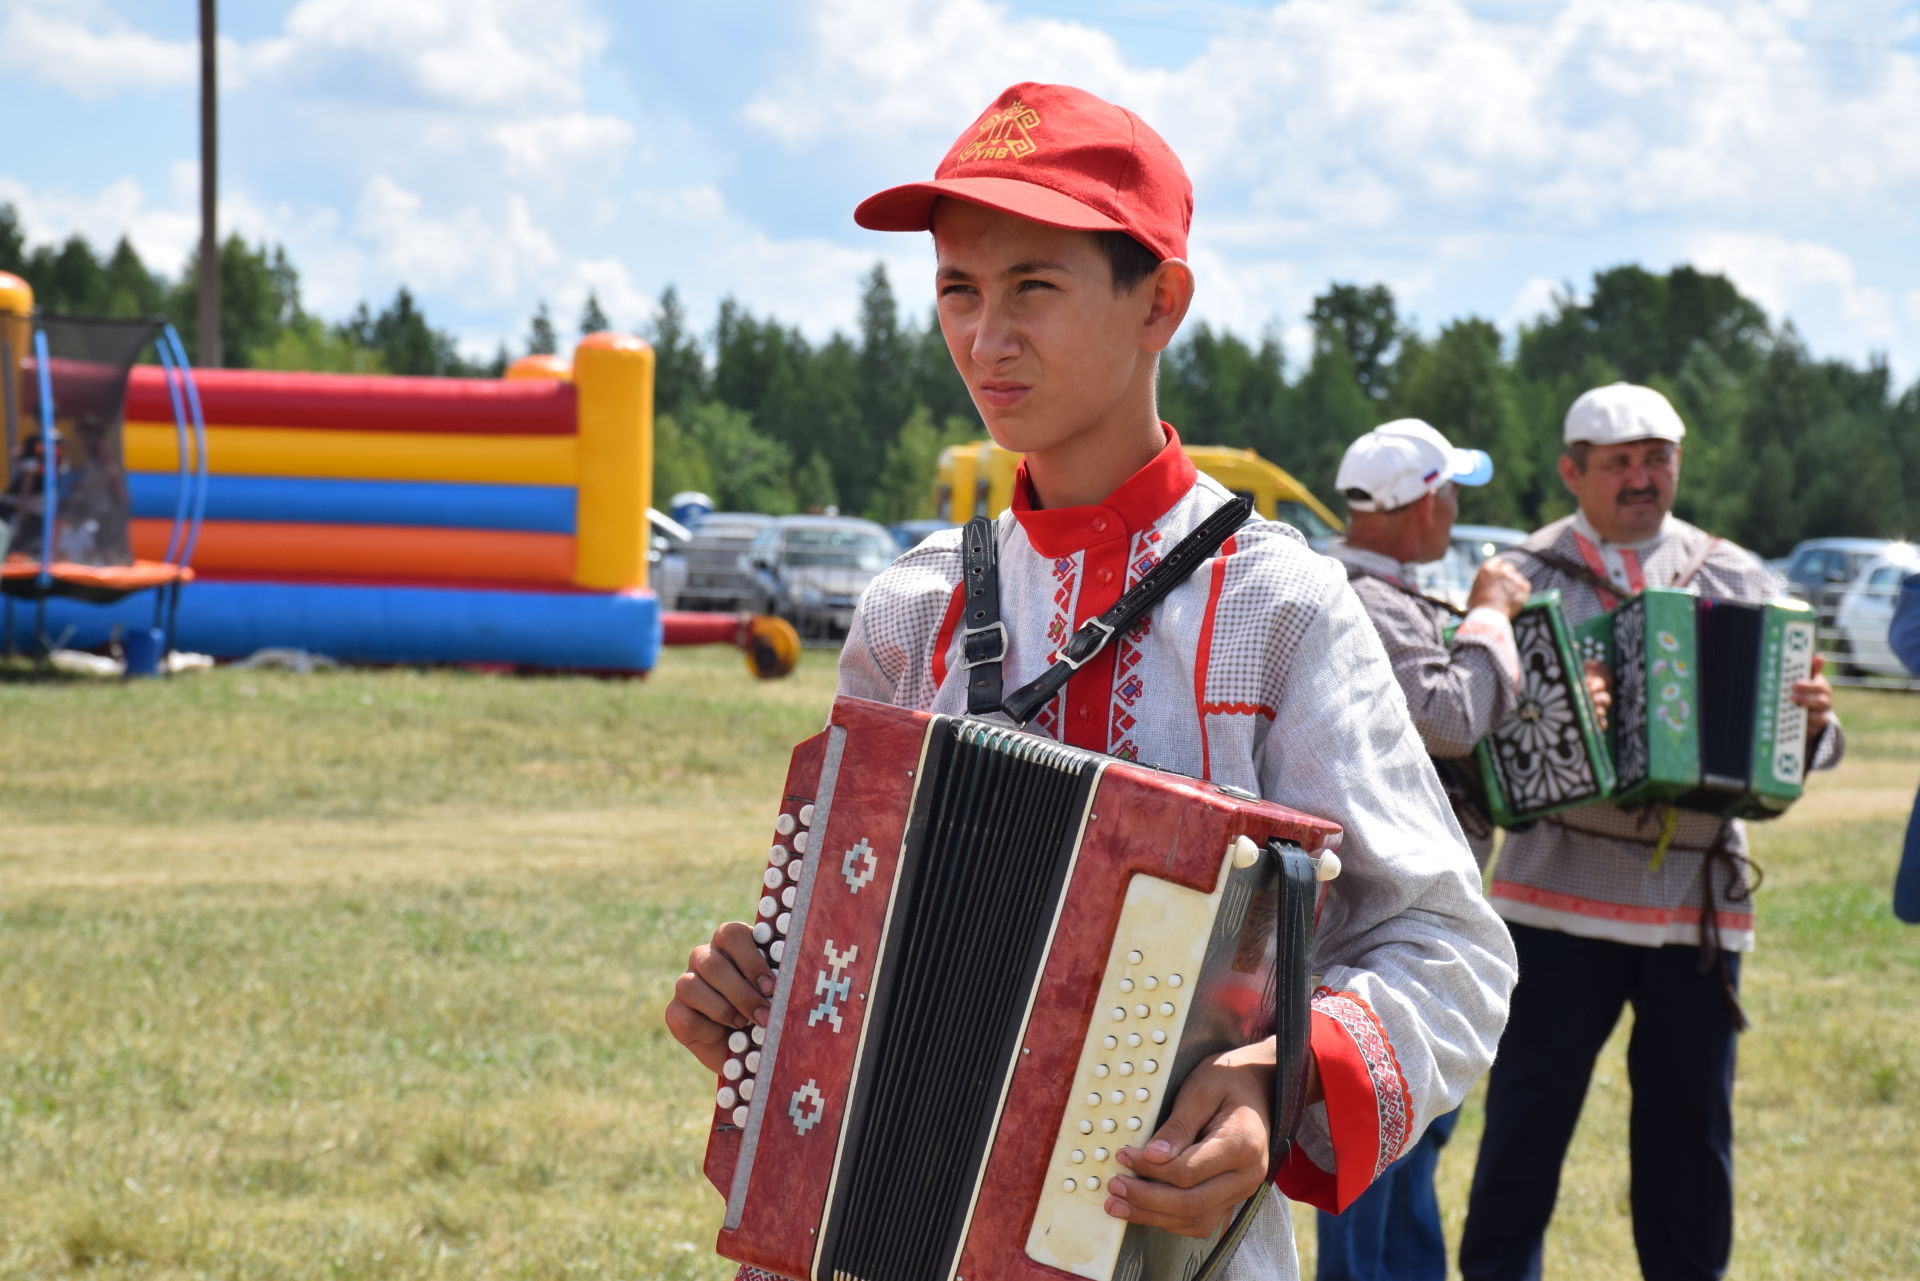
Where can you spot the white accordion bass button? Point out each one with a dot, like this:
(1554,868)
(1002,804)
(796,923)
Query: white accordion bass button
(778,856)
(1245,852)
(1328,867)
(737,1042)
(762,932)
(777,950)
(753,1060)
(800,842)
(788,895)
(726,1098)
(783,922)
(759,1035)
(740,1117)
(806,815)
(784,825)
(767,906)
(732,1070)
(746,1090)
(774,878)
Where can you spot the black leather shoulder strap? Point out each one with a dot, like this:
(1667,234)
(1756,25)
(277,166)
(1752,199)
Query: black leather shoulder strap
(983,637)
(1134,604)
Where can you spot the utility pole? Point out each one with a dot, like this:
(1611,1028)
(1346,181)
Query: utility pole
(208,347)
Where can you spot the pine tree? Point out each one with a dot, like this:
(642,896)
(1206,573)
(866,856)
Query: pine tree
(541,339)
(592,319)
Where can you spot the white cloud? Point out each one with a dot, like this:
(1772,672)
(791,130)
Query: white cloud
(700,204)
(1814,284)
(477,258)
(65,52)
(549,147)
(1538,298)
(161,234)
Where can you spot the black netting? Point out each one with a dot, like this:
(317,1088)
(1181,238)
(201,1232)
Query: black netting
(88,362)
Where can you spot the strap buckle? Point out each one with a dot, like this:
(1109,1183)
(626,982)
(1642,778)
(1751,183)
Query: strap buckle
(1083,645)
(969,659)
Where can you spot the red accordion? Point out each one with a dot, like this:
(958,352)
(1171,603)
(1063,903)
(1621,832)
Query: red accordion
(997,959)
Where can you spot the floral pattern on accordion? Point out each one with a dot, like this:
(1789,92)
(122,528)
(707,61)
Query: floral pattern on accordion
(1540,754)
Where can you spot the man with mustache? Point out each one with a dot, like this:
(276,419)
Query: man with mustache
(1610,906)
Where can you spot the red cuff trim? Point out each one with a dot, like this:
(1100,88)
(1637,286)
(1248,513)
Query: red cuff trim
(1369,1110)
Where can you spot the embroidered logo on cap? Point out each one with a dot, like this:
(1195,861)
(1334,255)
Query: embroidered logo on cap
(1004,135)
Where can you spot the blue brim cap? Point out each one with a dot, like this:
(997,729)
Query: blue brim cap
(1471,467)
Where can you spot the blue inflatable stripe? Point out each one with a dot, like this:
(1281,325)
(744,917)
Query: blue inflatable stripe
(614,632)
(535,509)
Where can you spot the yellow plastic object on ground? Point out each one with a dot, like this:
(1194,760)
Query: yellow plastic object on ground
(773,647)
(977,480)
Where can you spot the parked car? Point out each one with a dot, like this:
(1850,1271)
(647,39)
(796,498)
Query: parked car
(666,557)
(910,533)
(1819,570)
(718,576)
(810,570)
(1865,611)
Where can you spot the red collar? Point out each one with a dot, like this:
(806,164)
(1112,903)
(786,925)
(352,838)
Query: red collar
(1142,499)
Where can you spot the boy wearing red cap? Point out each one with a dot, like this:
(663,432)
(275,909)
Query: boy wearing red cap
(1060,226)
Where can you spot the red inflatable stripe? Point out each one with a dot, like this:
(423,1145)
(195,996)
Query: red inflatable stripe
(267,549)
(360,402)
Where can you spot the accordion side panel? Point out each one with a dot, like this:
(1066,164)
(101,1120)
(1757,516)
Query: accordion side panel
(803,777)
(821,1009)
(1179,832)
(1549,755)
(1670,648)
(1778,772)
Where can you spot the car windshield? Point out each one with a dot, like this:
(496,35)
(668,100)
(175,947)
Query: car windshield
(840,548)
(1304,519)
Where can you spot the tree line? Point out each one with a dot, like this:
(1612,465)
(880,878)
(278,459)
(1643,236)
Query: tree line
(1781,445)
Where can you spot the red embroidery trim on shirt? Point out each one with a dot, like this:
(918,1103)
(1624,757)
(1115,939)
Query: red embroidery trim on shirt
(1238,709)
(1600,909)
(1390,1094)
(1129,686)
(1203,657)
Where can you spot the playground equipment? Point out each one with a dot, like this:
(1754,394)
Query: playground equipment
(64,501)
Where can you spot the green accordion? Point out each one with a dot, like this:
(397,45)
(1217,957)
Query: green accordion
(1702,715)
(1551,753)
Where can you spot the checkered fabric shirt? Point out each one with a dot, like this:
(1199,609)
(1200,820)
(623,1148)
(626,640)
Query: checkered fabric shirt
(1455,695)
(1591,870)
(1260,671)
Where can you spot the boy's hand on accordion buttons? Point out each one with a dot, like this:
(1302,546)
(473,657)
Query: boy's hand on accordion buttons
(1600,686)
(725,988)
(1209,1155)
(1816,695)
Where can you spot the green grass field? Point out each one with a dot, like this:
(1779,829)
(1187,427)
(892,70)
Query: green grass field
(358,974)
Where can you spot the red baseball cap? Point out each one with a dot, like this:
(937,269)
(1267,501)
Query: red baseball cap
(1060,157)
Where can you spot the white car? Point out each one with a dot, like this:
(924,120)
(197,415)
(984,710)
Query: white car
(1865,611)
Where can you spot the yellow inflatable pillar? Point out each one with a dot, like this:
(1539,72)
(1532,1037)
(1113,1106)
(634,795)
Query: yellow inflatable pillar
(613,374)
(16,348)
(529,367)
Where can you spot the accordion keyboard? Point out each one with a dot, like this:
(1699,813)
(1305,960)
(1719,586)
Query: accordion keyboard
(1120,1085)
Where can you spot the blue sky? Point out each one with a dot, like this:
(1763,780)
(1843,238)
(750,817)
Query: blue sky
(492,154)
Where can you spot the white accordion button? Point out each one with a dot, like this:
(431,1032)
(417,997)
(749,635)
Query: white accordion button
(1133,958)
(1150,1066)
(1126,985)
(1068,1185)
(1141,1011)
(1099,1154)
(800,842)
(1245,852)
(774,878)
(1150,982)
(746,1090)
(1166,1009)
(1079,1156)
(1093,1182)
(778,856)
(784,825)
(788,895)
(777,950)
(732,1070)
(1133,1038)
(1133,1123)
(1126,1069)
(1086,1126)
(1101,1069)
(1119,1013)
(1111,1042)
(1108,1124)
(762,932)
(753,1060)
(1117,1097)
(767,906)
(726,1098)
(737,1042)
(740,1117)
(1328,867)
(759,1035)
(1093,1100)
(783,922)
(1174,980)
(1159,1034)
(1142,1094)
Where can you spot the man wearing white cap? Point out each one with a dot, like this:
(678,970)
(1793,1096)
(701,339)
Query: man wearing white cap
(1399,482)
(1609,906)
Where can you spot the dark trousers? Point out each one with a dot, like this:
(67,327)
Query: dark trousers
(1680,1069)
(1391,1232)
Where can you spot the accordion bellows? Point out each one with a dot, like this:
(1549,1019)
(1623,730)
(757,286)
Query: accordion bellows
(996,958)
